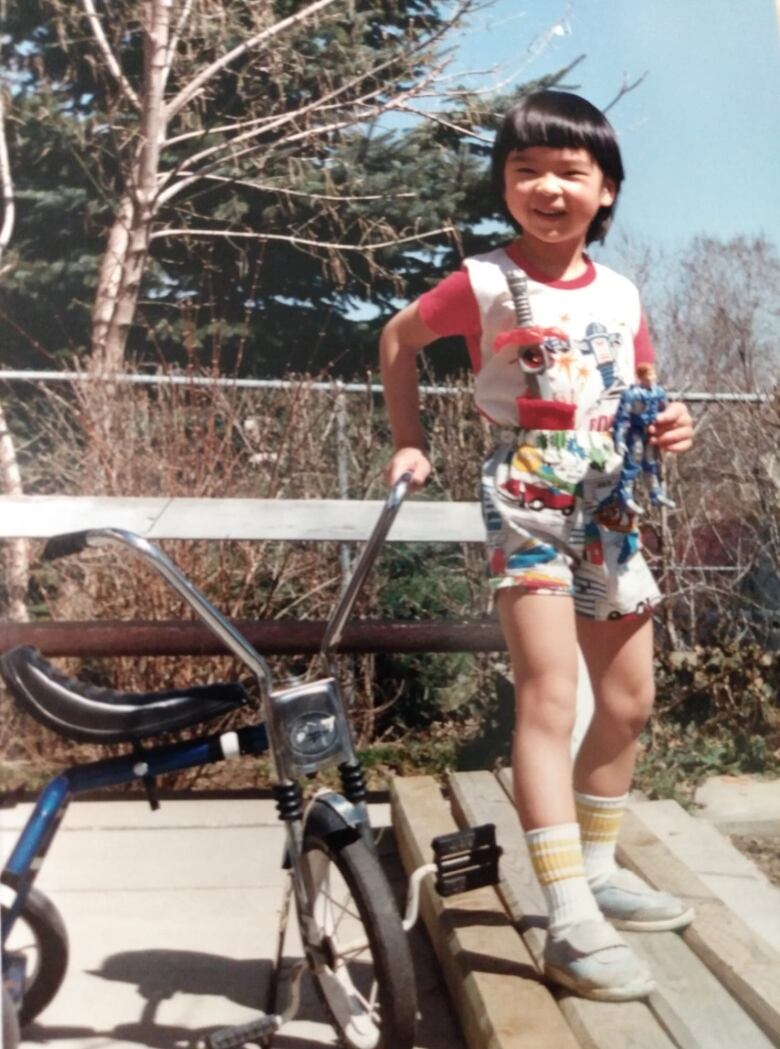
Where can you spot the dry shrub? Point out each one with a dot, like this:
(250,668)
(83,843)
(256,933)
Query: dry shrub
(225,442)
(721,547)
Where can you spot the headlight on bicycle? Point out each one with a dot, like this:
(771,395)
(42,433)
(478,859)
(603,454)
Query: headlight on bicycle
(309,728)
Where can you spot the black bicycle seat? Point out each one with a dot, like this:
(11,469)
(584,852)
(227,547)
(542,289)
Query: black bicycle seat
(103,715)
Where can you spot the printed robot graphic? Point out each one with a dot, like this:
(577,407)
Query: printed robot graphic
(599,342)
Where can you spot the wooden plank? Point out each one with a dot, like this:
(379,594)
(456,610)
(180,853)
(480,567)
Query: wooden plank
(478,797)
(733,877)
(339,520)
(689,997)
(490,975)
(271,637)
(691,1003)
(741,960)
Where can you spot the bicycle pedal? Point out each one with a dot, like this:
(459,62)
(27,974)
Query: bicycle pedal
(255,1032)
(466,859)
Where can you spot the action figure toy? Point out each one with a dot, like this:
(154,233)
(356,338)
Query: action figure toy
(640,404)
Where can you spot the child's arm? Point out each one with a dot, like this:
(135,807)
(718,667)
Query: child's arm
(402,339)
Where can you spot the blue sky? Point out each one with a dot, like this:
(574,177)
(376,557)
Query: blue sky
(700,136)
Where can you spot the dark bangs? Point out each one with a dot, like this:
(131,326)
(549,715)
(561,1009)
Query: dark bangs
(559,120)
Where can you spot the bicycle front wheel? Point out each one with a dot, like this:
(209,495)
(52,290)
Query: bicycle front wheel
(364,972)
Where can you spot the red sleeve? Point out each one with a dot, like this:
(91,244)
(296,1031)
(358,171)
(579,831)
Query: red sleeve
(450,308)
(643,347)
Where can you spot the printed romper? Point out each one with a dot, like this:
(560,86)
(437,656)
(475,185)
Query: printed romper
(554,525)
(541,495)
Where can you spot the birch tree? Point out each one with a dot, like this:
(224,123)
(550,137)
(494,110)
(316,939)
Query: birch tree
(17,555)
(200,93)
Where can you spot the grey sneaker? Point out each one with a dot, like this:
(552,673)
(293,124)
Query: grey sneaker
(631,904)
(592,960)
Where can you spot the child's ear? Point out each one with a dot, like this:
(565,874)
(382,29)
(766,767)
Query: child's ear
(608,193)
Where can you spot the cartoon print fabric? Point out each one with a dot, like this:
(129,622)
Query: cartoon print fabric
(591,356)
(554,525)
(555,522)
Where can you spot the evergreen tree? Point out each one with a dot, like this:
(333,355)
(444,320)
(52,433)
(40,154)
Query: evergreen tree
(292,158)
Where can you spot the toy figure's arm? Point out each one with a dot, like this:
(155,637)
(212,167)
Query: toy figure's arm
(622,423)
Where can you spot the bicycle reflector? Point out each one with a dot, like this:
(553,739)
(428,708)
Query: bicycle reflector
(309,728)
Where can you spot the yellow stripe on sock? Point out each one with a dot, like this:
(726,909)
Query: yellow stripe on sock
(556,861)
(599,825)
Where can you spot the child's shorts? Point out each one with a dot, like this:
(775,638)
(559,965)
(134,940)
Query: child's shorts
(553,526)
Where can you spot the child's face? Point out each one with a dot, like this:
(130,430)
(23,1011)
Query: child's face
(554,194)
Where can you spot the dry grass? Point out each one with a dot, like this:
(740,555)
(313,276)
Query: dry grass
(273,443)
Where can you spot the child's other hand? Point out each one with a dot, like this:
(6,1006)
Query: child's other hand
(408,460)
(672,431)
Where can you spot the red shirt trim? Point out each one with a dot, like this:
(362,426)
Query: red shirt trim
(451,307)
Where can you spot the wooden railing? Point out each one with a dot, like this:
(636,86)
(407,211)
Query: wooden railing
(336,520)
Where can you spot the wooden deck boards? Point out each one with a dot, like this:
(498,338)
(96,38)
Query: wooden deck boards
(491,977)
(719,982)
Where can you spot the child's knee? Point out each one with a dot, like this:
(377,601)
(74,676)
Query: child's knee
(635,709)
(547,703)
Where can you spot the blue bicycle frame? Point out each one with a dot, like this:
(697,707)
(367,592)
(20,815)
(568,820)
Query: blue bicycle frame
(144,765)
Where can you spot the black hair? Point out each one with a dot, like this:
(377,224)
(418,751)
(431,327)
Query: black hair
(563,121)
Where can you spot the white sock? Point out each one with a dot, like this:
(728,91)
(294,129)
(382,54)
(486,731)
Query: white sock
(556,857)
(599,820)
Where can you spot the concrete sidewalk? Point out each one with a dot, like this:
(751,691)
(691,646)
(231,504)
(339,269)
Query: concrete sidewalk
(172,918)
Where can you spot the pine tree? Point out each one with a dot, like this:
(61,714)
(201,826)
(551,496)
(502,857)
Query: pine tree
(287,148)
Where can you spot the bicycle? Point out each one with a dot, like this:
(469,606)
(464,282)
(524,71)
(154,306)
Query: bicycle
(353,934)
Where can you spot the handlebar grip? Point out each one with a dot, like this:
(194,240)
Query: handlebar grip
(64,545)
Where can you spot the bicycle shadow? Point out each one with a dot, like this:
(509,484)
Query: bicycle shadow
(160,974)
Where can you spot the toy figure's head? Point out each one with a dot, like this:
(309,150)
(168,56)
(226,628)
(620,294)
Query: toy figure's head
(645,374)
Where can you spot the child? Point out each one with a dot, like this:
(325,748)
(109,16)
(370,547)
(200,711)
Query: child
(553,549)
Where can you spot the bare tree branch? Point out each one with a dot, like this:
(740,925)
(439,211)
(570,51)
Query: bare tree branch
(196,85)
(111,61)
(321,104)
(6,186)
(287,192)
(184,17)
(302,241)
(624,89)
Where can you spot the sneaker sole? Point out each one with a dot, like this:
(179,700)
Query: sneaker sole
(680,921)
(627,993)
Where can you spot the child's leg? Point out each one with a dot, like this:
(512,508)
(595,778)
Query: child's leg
(619,657)
(581,951)
(541,636)
(540,632)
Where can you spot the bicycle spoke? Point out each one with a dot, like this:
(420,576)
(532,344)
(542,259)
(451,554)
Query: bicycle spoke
(369,1003)
(354,948)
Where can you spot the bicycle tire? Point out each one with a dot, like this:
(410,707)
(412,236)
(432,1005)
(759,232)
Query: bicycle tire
(46,951)
(367,984)
(11,1034)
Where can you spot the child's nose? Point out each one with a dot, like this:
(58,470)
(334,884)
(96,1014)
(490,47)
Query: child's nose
(549,183)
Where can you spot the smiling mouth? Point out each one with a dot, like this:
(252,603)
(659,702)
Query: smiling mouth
(550,214)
